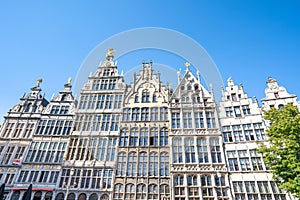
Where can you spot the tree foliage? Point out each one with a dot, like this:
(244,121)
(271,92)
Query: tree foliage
(282,154)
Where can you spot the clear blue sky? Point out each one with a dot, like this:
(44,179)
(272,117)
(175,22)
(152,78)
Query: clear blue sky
(248,40)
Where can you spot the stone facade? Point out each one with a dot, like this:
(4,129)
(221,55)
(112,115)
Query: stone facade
(142,140)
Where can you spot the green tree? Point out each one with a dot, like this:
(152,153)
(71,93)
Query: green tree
(282,154)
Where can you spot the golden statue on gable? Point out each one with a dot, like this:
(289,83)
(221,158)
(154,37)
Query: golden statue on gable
(110,53)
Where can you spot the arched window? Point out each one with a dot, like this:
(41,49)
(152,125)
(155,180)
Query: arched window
(121,164)
(196,87)
(153,137)
(118,191)
(193,187)
(124,137)
(280,106)
(131,165)
(189,87)
(144,137)
(164,164)
(177,150)
(178,184)
(71,196)
(153,164)
(143,163)
(206,185)
(189,149)
(152,191)
(15,195)
(104,197)
(129,191)
(48,196)
(60,196)
(164,192)
(163,141)
(93,196)
(141,191)
(37,195)
(82,196)
(133,137)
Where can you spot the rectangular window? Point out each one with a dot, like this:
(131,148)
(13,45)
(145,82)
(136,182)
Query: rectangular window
(187,120)
(199,122)
(176,120)
(237,111)
(210,119)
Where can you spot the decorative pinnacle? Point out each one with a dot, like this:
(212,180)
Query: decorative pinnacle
(187,64)
(39,82)
(70,80)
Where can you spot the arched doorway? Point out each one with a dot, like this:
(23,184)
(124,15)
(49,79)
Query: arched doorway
(60,196)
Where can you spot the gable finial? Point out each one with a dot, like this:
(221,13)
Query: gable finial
(187,64)
(110,54)
(70,80)
(39,82)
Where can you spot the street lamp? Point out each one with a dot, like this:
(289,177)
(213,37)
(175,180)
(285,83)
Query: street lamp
(68,185)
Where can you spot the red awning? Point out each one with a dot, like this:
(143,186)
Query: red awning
(35,189)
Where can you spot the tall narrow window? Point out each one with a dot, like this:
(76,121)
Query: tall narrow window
(215,150)
(121,168)
(154,114)
(163,141)
(133,137)
(177,150)
(131,165)
(142,165)
(144,137)
(153,164)
(202,150)
(153,140)
(164,164)
(176,120)
(189,149)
